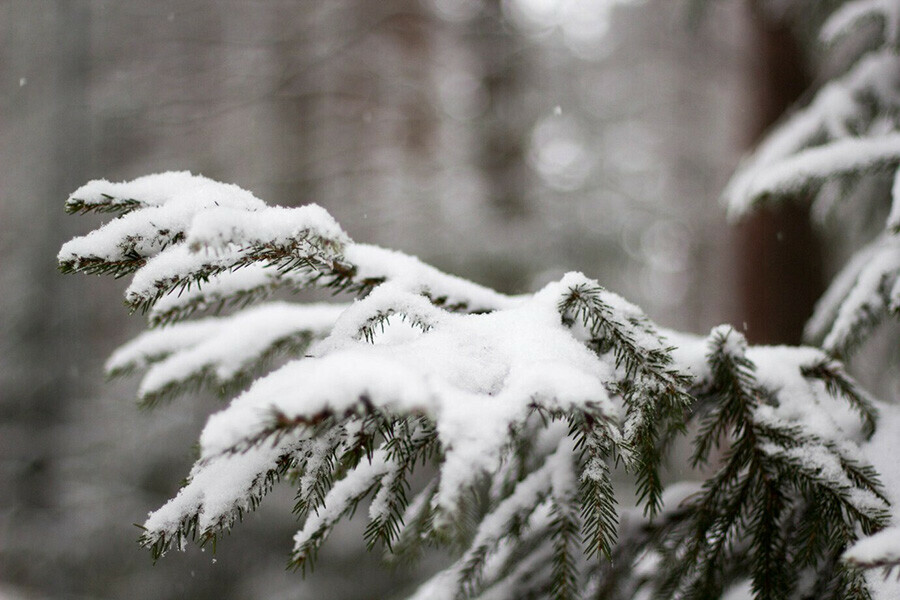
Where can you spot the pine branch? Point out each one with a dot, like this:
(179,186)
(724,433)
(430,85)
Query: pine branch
(654,392)
(840,385)
(108,204)
(410,441)
(340,501)
(771,473)
(222,354)
(564,530)
(201,515)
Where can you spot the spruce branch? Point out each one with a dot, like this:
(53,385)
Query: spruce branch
(771,472)
(105,205)
(653,390)
(840,385)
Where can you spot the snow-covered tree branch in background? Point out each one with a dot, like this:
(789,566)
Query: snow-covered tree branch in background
(847,134)
(518,414)
(835,147)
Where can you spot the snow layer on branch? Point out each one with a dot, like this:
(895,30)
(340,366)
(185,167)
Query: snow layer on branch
(845,18)
(689,353)
(220,238)
(358,321)
(830,116)
(152,346)
(829,160)
(525,504)
(828,305)
(824,466)
(220,489)
(220,346)
(342,497)
(149,190)
(221,227)
(893,220)
(253,281)
(173,265)
(883,548)
(492,365)
(171,200)
(859,297)
(779,369)
(414,276)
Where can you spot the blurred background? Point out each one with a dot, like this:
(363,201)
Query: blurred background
(507,141)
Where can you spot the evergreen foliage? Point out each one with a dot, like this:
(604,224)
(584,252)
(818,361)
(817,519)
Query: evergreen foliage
(844,147)
(515,430)
(522,453)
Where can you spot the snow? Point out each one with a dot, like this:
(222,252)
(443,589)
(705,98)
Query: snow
(190,228)
(793,173)
(145,233)
(828,117)
(867,297)
(380,507)
(799,400)
(476,376)
(846,17)
(386,299)
(220,227)
(417,277)
(176,265)
(340,498)
(227,346)
(526,499)
(318,457)
(881,452)
(252,280)
(893,220)
(218,488)
(822,463)
(220,239)
(152,346)
(689,353)
(494,365)
(734,344)
(840,287)
(149,190)
(170,201)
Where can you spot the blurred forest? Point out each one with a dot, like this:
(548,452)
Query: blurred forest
(507,141)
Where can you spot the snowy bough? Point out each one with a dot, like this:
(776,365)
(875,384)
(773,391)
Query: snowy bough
(527,434)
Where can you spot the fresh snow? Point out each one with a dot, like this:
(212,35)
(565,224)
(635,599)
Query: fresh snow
(881,453)
(161,188)
(494,364)
(228,346)
(254,280)
(847,16)
(423,342)
(221,227)
(340,498)
(218,488)
(417,277)
(870,295)
(171,201)
(828,118)
(833,159)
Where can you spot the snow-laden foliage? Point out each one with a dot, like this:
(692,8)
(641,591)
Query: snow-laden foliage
(845,137)
(527,420)
(849,132)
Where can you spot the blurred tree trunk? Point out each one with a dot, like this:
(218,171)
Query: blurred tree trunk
(504,136)
(779,257)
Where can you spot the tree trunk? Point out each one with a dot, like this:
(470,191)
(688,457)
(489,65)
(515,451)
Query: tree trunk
(779,257)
